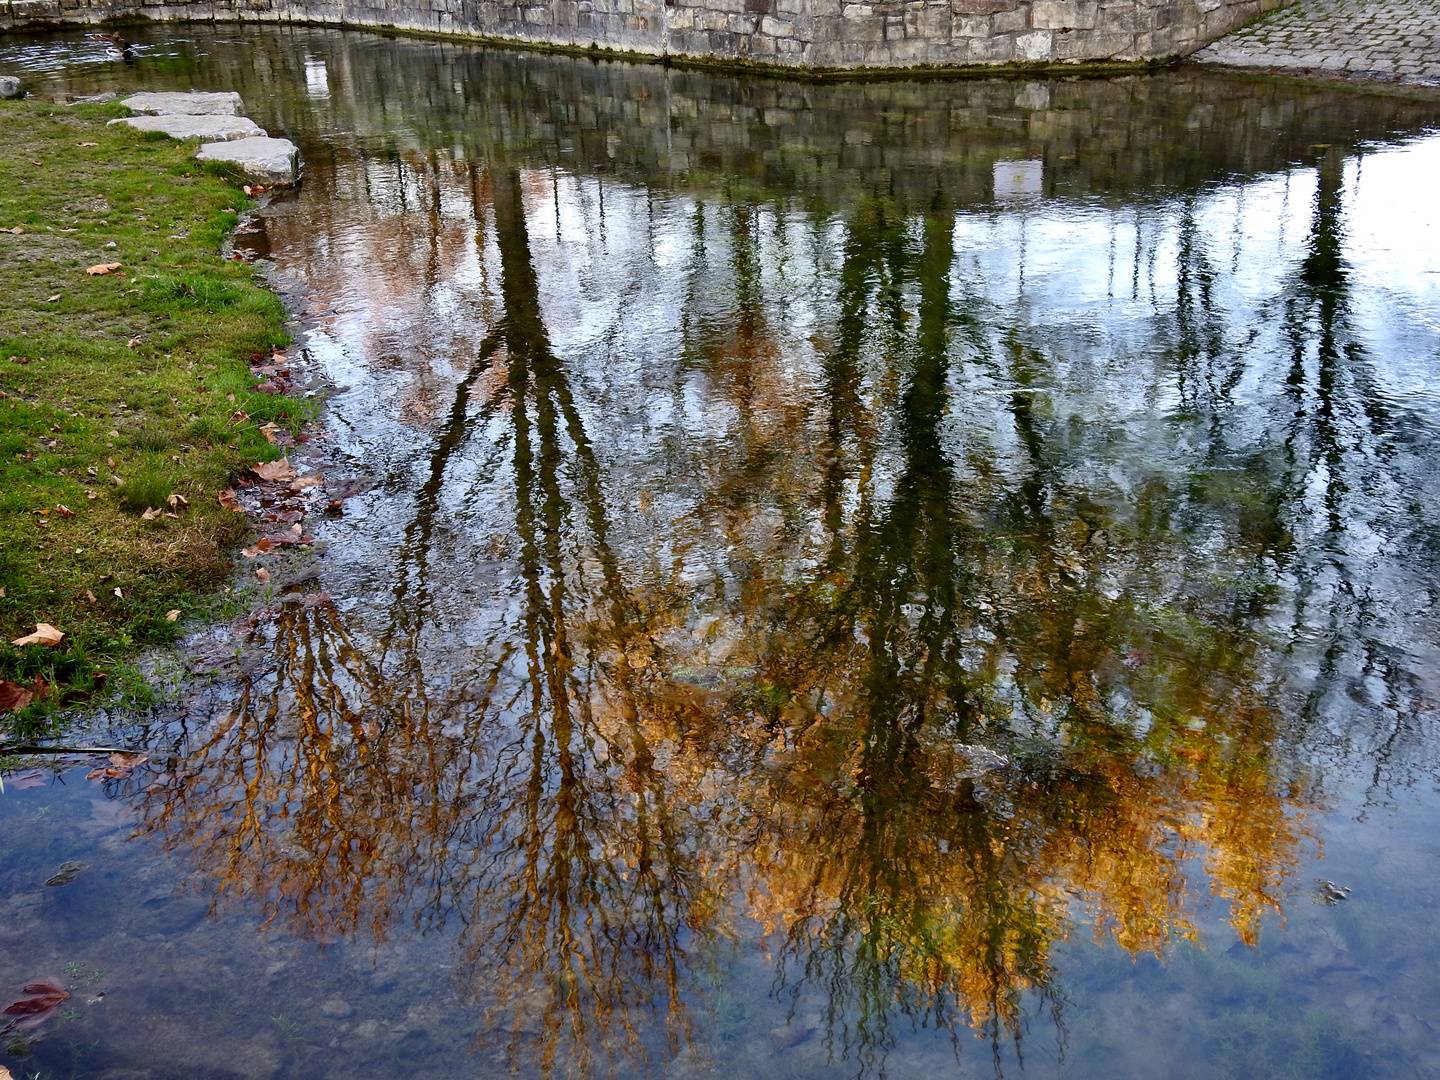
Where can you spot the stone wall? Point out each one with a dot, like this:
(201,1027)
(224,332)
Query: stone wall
(805,34)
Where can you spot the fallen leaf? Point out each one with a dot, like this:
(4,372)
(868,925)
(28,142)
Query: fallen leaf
(44,634)
(89,596)
(2,592)
(178,502)
(262,574)
(262,547)
(91,493)
(320,599)
(274,470)
(133,342)
(120,594)
(269,430)
(103,268)
(14,696)
(42,1000)
(87,144)
(122,760)
(150,514)
(172,614)
(30,778)
(300,483)
(266,387)
(63,510)
(117,481)
(229,501)
(239,416)
(52,299)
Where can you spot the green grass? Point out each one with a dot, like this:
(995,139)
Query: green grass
(125,388)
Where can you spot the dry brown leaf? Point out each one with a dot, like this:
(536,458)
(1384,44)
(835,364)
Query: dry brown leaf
(2,592)
(87,144)
(239,416)
(229,501)
(150,514)
(63,510)
(14,696)
(262,547)
(89,596)
(300,483)
(269,430)
(274,470)
(122,760)
(103,268)
(17,230)
(172,614)
(178,502)
(44,634)
(91,493)
(52,299)
(120,594)
(262,574)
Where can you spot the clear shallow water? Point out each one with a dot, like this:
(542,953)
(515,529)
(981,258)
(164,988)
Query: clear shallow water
(887,578)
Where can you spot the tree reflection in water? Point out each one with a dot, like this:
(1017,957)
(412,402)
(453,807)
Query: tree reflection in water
(766,712)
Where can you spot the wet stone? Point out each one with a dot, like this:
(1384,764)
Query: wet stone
(337,1009)
(10,86)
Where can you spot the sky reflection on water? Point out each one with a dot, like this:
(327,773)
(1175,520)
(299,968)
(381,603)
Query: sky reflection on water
(814,606)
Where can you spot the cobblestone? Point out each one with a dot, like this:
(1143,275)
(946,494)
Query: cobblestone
(1388,40)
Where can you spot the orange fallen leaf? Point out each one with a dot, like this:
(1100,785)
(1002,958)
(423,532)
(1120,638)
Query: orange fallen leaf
(263,574)
(122,760)
(103,268)
(44,634)
(172,614)
(63,510)
(16,231)
(262,547)
(178,502)
(274,470)
(269,430)
(300,483)
(239,416)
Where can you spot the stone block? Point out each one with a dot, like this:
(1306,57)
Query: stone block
(928,23)
(743,25)
(271,161)
(971,26)
(1063,14)
(760,7)
(1038,46)
(1010,22)
(1093,46)
(775,28)
(982,7)
(681,18)
(994,50)
(213,128)
(11,87)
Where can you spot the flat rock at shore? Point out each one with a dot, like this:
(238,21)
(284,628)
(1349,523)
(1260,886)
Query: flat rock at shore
(271,161)
(150,103)
(211,128)
(10,86)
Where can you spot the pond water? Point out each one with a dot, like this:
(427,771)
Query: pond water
(903,578)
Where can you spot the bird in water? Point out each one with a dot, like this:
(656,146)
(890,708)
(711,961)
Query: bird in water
(120,51)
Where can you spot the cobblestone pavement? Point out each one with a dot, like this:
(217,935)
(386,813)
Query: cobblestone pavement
(1390,40)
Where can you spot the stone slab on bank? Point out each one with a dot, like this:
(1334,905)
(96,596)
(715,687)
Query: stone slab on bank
(209,128)
(195,103)
(10,87)
(1387,40)
(270,161)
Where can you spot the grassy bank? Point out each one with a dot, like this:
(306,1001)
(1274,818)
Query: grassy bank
(120,390)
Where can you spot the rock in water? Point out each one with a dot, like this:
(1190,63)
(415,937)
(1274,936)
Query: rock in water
(271,161)
(210,128)
(10,87)
(193,104)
